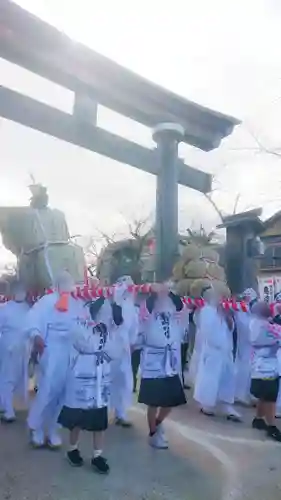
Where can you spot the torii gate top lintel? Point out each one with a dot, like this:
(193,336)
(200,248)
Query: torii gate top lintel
(39,47)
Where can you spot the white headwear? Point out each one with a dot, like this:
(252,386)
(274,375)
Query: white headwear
(250,294)
(65,282)
(121,292)
(126,280)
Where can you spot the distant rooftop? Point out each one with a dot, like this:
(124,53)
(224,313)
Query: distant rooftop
(251,216)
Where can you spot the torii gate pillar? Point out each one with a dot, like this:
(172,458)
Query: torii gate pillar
(167,137)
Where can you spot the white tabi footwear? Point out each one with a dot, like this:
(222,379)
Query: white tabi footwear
(208,412)
(122,422)
(230,413)
(37,439)
(278,413)
(54,441)
(8,418)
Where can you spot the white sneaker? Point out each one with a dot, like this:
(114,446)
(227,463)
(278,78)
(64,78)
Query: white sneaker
(161,432)
(54,441)
(158,441)
(37,439)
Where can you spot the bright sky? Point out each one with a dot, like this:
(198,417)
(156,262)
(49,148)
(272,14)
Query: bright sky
(225,54)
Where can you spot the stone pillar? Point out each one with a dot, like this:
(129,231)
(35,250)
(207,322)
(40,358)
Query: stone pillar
(241,254)
(167,137)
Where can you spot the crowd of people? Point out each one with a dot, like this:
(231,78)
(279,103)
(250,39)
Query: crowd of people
(85,357)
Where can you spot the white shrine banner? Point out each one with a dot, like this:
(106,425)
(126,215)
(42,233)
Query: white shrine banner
(277,284)
(267,289)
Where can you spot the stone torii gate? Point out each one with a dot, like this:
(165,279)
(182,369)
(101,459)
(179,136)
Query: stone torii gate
(33,44)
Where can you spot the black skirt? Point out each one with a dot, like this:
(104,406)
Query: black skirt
(92,419)
(265,389)
(166,392)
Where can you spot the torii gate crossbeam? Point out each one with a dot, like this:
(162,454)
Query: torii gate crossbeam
(31,43)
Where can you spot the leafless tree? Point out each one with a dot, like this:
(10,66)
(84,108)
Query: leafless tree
(216,186)
(200,236)
(136,231)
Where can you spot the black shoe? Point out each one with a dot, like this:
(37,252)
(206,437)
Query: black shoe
(100,465)
(75,458)
(274,433)
(259,424)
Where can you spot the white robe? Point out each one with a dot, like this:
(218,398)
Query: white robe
(161,355)
(243,357)
(14,348)
(89,376)
(54,328)
(215,381)
(122,374)
(195,358)
(278,402)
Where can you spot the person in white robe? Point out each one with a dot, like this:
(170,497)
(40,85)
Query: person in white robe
(215,381)
(136,357)
(122,374)
(49,323)
(265,338)
(14,353)
(244,349)
(97,343)
(277,321)
(195,357)
(163,325)
(184,351)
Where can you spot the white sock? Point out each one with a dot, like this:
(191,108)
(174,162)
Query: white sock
(97,453)
(73,447)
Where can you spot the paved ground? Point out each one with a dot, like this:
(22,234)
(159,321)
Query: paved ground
(208,459)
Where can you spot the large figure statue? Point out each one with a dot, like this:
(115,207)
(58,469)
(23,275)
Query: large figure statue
(39,237)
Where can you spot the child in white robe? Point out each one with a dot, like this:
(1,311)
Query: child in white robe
(88,384)
(14,353)
(265,338)
(162,332)
(277,321)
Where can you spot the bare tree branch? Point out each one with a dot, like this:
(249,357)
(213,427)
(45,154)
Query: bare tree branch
(263,149)
(214,205)
(260,147)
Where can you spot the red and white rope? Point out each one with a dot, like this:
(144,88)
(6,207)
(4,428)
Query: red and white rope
(87,293)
